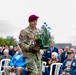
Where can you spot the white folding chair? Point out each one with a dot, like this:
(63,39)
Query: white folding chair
(57,68)
(43,66)
(6,63)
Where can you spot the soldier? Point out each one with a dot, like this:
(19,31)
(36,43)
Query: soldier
(30,54)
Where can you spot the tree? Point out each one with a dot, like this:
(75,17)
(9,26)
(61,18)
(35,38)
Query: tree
(3,41)
(9,40)
(12,41)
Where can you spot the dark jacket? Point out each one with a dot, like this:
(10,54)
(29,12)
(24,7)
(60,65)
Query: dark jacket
(55,49)
(63,66)
(47,54)
(11,52)
(63,57)
(73,67)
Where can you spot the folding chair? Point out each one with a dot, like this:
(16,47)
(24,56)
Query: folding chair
(43,66)
(6,63)
(57,68)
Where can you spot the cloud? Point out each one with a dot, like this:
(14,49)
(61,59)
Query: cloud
(59,14)
(72,39)
(6,27)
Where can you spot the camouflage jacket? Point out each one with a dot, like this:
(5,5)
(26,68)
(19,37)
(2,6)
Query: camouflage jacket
(25,38)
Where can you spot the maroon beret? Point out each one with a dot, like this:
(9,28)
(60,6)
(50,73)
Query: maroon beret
(32,18)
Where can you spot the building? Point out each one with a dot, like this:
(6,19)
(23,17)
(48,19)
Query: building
(62,45)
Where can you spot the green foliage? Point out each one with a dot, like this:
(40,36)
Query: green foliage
(44,38)
(3,41)
(9,40)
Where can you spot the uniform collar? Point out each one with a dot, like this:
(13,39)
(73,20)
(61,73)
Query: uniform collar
(31,29)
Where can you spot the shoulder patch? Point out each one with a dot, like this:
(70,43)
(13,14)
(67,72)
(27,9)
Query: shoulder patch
(21,35)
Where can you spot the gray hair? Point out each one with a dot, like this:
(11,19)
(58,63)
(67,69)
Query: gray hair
(6,50)
(11,46)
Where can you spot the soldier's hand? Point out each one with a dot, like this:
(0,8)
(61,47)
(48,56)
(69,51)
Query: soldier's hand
(36,48)
(20,44)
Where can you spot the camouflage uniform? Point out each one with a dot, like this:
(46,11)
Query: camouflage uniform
(32,58)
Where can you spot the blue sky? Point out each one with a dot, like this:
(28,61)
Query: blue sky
(59,14)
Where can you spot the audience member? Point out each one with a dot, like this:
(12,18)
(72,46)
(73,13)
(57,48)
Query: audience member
(73,67)
(11,51)
(65,69)
(60,51)
(53,59)
(47,54)
(53,48)
(6,55)
(16,64)
(15,50)
(64,54)
(1,49)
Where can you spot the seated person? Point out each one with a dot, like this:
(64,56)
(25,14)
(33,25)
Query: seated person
(51,61)
(64,55)
(5,56)
(47,54)
(16,64)
(60,51)
(73,67)
(11,51)
(65,69)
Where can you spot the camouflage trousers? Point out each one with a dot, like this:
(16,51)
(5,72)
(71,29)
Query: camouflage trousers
(34,66)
